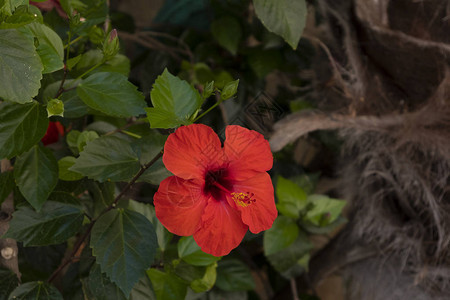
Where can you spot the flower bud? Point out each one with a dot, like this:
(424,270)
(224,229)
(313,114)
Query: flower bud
(111,45)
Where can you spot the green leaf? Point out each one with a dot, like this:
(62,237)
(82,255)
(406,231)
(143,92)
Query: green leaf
(167,286)
(66,198)
(174,102)
(291,198)
(84,138)
(8,282)
(283,233)
(23,15)
(207,281)
(107,158)
(50,48)
(64,173)
(74,107)
(185,271)
(21,126)
(119,63)
(6,185)
(112,94)
(233,275)
(163,235)
(7,7)
(36,174)
(143,290)
(190,252)
(221,78)
(55,107)
(325,210)
(227,32)
(36,290)
(102,195)
(124,244)
(147,148)
(288,260)
(264,61)
(323,229)
(20,67)
(283,17)
(72,141)
(94,12)
(53,224)
(72,62)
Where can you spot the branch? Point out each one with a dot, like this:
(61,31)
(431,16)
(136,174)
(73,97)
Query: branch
(294,289)
(152,43)
(81,242)
(135,178)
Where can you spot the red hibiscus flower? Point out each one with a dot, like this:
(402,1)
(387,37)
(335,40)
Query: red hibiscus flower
(54,130)
(49,5)
(217,193)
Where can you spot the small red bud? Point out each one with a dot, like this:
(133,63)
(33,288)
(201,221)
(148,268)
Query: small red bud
(112,35)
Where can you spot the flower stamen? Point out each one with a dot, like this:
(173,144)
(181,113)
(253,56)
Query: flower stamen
(243,199)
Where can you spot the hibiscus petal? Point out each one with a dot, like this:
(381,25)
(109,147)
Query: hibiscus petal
(191,150)
(221,229)
(179,205)
(247,151)
(259,210)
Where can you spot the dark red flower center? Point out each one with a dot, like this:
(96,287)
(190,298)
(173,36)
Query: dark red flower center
(216,183)
(218,186)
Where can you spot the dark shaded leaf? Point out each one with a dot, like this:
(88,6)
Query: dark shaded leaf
(163,235)
(36,290)
(288,261)
(233,275)
(107,158)
(227,32)
(8,282)
(147,148)
(124,243)
(6,185)
(36,174)
(97,286)
(53,224)
(190,252)
(167,286)
(21,126)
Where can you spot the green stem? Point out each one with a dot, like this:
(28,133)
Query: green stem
(68,46)
(73,41)
(82,75)
(89,71)
(131,134)
(207,111)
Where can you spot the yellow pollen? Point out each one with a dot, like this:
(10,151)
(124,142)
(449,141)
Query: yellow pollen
(243,199)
